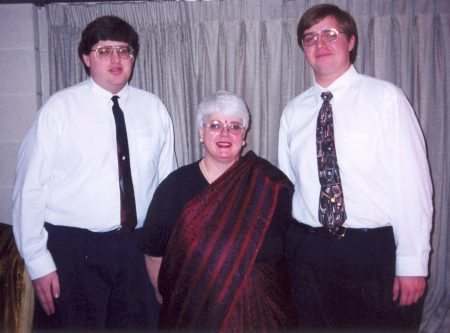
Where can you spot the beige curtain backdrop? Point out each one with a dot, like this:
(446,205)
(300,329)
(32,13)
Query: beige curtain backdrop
(249,47)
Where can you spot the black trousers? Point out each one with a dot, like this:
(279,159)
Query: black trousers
(346,283)
(103,281)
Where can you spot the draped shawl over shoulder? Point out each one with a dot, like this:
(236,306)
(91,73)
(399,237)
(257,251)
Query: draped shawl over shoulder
(208,277)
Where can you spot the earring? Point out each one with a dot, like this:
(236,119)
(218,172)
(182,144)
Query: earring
(201,140)
(243,143)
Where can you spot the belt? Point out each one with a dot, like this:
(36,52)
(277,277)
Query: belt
(121,230)
(344,231)
(118,231)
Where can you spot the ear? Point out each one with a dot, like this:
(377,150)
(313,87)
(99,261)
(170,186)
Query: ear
(87,60)
(200,131)
(351,43)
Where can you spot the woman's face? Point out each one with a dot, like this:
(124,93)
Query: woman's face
(224,146)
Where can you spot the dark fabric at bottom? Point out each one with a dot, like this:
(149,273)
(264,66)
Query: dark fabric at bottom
(346,283)
(209,278)
(103,280)
(258,306)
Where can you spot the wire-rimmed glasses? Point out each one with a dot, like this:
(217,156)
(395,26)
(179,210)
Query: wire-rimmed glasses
(328,35)
(105,52)
(216,127)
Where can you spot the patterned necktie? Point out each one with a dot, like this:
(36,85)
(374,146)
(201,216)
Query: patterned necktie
(331,204)
(127,201)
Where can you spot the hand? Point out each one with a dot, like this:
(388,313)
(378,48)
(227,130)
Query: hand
(410,288)
(47,287)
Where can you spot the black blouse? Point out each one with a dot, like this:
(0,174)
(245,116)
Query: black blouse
(183,185)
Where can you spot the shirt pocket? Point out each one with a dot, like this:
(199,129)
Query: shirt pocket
(147,152)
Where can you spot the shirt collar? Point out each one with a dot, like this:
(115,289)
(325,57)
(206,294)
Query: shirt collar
(338,87)
(105,95)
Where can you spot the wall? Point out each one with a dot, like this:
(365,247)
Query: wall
(24,85)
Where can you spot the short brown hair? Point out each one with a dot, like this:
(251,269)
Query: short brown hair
(107,28)
(317,13)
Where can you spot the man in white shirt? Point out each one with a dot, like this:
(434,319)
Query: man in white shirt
(70,220)
(369,272)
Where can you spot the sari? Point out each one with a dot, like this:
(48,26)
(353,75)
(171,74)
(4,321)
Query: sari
(209,279)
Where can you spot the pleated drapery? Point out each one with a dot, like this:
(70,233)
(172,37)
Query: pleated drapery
(249,47)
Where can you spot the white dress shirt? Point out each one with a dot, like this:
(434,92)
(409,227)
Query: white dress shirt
(67,171)
(382,161)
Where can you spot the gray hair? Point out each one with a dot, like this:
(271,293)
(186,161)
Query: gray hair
(225,103)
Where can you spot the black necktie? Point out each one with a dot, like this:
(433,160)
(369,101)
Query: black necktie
(127,201)
(331,203)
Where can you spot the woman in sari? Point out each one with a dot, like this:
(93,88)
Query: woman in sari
(214,234)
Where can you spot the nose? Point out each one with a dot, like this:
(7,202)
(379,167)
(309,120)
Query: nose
(115,56)
(320,42)
(225,131)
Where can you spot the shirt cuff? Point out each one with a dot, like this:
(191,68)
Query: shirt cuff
(41,266)
(411,266)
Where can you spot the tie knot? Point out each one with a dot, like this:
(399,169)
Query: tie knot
(114,99)
(326,96)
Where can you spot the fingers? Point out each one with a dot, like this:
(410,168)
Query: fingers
(55,286)
(406,297)
(43,292)
(396,289)
(158,297)
(46,288)
(411,289)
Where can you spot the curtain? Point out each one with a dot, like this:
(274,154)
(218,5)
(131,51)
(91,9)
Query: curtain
(249,47)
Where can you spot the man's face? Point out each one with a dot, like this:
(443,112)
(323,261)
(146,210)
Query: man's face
(111,74)
(329,60)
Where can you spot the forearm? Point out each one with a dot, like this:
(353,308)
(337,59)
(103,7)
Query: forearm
(153,265)
(412,207)
(30,194)
(29,232)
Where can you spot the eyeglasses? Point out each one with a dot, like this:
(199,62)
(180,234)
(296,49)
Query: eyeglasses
(216,127)
(106,52)
(329,35)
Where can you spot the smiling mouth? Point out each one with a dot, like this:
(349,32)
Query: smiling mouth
(224,144)
(322,55)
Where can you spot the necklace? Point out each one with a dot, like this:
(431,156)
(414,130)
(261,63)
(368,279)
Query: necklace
(204,168)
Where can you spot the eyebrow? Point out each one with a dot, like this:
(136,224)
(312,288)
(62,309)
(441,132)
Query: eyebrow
(318,31)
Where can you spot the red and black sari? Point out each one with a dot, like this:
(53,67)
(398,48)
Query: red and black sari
(209,279)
